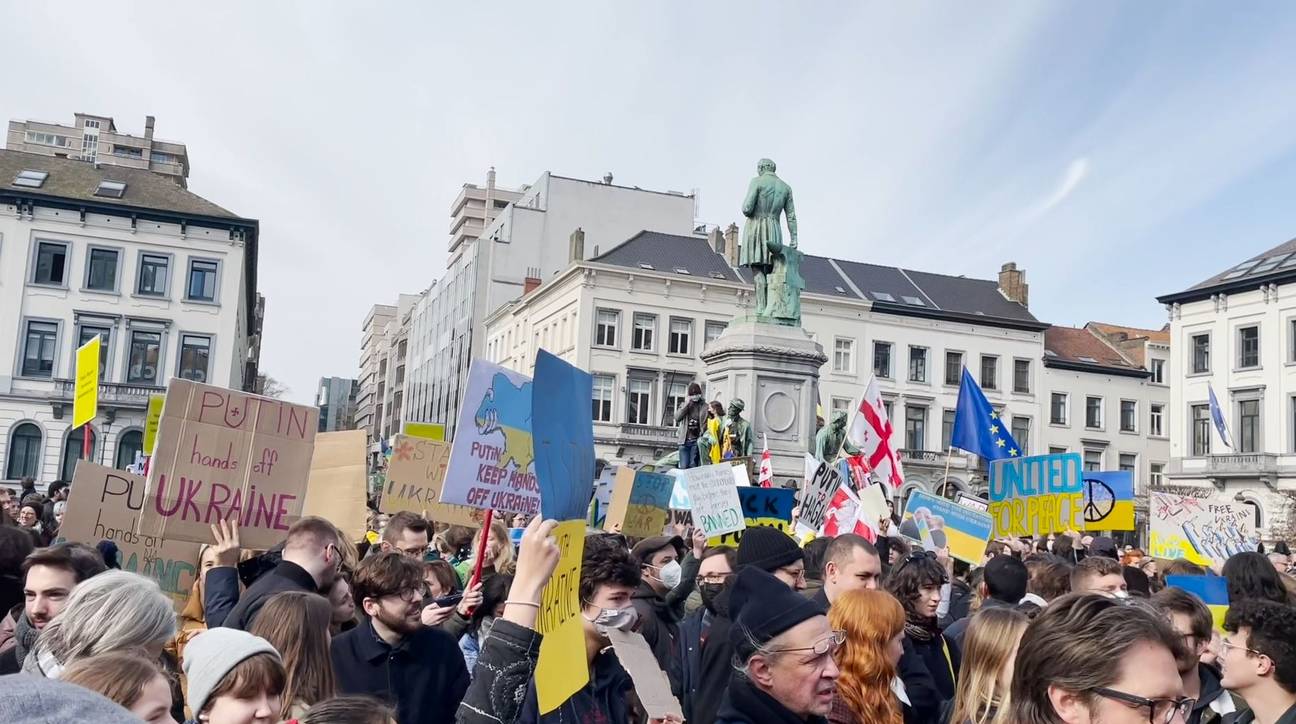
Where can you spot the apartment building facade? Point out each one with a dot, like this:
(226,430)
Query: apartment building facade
(95,139)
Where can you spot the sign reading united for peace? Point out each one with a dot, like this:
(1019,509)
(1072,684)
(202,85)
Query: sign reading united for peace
(1045,494)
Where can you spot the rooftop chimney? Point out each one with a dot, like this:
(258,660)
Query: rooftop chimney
(607,178)
(148,127)
(576,249)
(490,178)
(716,240)
(1012,284)
(531,281)
(731,245)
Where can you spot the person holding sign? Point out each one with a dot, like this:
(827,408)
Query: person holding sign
(668,577)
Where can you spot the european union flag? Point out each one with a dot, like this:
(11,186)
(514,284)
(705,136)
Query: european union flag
(977,427)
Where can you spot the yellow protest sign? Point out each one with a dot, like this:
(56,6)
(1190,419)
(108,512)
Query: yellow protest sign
(425,430)
(151,422)
(561,670)
(85,403)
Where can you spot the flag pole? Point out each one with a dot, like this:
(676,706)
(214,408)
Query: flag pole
(945,480)
(85,441)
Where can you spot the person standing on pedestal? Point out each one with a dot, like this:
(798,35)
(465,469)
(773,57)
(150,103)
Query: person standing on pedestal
(691,417)
(736,435)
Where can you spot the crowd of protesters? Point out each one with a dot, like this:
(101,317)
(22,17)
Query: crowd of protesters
(401,627)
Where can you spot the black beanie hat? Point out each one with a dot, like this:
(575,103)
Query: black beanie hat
(768,549)
(762,607)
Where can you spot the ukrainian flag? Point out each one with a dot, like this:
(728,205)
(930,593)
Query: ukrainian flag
(1212,590)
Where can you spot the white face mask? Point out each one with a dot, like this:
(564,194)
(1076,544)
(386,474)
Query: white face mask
(622,619)
(670,574)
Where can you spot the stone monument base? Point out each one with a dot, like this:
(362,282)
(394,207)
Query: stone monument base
(774,369)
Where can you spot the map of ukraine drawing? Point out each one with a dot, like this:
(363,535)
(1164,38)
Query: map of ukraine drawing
(506,408)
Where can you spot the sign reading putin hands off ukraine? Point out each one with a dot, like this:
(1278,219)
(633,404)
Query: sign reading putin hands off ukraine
(1045,494)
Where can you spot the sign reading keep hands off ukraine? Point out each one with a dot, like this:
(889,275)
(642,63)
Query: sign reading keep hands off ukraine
(1045,494)
(492,460)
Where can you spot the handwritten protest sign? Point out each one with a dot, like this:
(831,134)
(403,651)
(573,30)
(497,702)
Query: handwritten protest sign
(1045,494)
(714,499)
(556,678)
(761,508)
(415,476)
(492,464)
(640,502)
(821,482)
(151,420)
(650,682)
(85,403)
(964,530)
(603,495)
(106,504)
(337,491)
(563,433)
(223,454)
(1201,530)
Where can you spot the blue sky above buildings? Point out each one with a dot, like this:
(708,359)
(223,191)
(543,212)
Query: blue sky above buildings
(1116,151)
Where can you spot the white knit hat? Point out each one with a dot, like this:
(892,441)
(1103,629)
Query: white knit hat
(212,654)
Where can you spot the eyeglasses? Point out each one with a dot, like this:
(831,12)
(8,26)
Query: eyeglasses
(715,578)
(1160,711)
(798,575)
(1230,645)
(409,595)
(828,645)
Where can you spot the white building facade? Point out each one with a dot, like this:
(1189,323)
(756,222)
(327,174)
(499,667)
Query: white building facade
(639,316)
(1236,333)
(165,278)
(525,243)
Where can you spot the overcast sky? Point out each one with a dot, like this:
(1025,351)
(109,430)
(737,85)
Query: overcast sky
(1116,151)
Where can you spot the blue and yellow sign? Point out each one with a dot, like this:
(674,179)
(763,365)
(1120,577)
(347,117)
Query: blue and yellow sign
(1045,494)
(761,507)
(964,530)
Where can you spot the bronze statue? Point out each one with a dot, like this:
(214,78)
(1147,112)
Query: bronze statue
(832,438)
(736,438)
(763,251)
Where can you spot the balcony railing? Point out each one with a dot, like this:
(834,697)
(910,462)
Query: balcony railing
(112,393)
(934,457)
(652,434)
(1243,464)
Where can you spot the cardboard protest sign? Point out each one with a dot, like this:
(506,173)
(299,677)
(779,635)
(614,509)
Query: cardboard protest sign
(425,430)
(947,523)
(714,498)
(339,478)
(1045,494)
(1201,530)
(224,454)
(106,504)
(821,483)
(492,464)
(556,678)
(650,682)
(640,502)
(761,508)
(415,476)
(562,431)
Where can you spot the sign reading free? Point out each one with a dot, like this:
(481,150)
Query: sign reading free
(1045,494)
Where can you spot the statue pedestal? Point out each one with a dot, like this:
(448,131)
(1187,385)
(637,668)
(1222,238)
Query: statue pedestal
(774,369)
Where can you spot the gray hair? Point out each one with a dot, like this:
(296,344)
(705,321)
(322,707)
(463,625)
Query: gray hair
(112,611)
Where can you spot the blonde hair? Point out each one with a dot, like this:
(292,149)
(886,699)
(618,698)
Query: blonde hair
(982,697)
(503,560)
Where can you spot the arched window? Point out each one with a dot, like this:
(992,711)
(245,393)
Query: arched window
(128,444)
(72,451)
(24,452)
